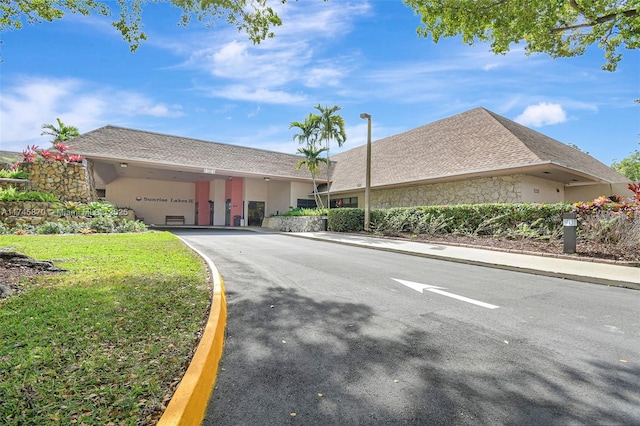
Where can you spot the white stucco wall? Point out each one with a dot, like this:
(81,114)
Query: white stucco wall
(154,199)
(574,194)
(279,197)
(255,190)
(300,190)
(536,190)
(217,194)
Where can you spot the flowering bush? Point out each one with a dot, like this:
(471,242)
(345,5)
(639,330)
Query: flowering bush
(611,220)
(612,204)
(59,152)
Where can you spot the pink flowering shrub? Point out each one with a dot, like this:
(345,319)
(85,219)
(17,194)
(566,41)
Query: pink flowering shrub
(59,152)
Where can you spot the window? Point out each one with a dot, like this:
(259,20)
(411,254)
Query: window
(351,202)
(306,204)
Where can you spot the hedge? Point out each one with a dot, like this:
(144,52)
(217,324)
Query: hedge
(477,219)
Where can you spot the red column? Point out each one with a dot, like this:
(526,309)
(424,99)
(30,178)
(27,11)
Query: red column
(234,191)
(202,198)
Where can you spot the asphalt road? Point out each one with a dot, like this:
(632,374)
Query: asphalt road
(325,334)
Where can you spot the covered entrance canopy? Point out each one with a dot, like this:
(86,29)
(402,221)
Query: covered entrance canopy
(190,181)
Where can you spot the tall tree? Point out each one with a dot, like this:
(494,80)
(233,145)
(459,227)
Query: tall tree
(331,128)
(560,28)
(312,160)
(253,17)
(62,133)
(629,166)
(309,130)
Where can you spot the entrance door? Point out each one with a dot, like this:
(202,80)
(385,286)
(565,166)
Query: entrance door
(227,212)
(256,213)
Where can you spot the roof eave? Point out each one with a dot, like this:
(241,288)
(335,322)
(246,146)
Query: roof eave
(544,170)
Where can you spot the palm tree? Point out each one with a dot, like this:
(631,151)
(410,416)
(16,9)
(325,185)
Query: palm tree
(331,127)
(312,160)
(309,130)
(61,133)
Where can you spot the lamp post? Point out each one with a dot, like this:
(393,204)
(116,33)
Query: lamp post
(367,187)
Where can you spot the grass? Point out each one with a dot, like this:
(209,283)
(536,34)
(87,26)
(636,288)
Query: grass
(107,341)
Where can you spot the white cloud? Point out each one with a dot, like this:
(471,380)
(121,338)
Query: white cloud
(252,94)
(27,104)
(543,114)
(299,57)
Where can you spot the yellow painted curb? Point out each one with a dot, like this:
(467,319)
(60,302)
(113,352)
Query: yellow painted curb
(189,403)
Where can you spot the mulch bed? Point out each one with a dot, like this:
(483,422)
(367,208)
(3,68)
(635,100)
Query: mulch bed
(14,266)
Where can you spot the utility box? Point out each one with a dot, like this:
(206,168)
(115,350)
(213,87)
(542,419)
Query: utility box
(236,220)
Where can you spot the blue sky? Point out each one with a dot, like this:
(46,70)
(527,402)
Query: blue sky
(213,84)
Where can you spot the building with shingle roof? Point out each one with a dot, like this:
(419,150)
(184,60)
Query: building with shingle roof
(473,157)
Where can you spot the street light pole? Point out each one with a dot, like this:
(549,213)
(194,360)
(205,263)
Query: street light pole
(367,187)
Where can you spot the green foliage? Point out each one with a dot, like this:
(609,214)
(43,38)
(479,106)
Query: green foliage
(330,124)
(558,28)
(13,174)
(345,220)
(97,225)
(102,224)
(629,166)
(471,219)
(51,228)
(92,209)
(309,130)
(299,211)
(61,133)
(253,17)
(312,161)
(73,217)
(12,194)
(129,226)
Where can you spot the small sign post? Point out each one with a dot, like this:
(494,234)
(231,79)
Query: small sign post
(569,225)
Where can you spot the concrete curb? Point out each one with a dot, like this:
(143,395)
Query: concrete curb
(609,281)
(189,402)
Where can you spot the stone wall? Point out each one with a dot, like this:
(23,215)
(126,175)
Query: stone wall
(67,181)
(498,189)
(18,184)
(294,223)
(34,213)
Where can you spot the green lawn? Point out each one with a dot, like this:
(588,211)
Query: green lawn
(107,341)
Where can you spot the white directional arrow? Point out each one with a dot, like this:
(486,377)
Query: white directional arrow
(434,289)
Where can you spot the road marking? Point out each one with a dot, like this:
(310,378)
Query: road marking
(439,290)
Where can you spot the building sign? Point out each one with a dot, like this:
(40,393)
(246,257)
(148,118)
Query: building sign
(165,200)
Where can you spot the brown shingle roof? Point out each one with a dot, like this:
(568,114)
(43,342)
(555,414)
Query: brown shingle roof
(135,145)
(475,141)
(7,157)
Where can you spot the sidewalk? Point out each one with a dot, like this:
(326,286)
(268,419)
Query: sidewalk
(578,270)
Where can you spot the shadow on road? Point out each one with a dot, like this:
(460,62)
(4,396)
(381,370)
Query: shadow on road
(324,361)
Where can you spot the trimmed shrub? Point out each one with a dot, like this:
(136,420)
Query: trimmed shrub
(472,219)
(345,220)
